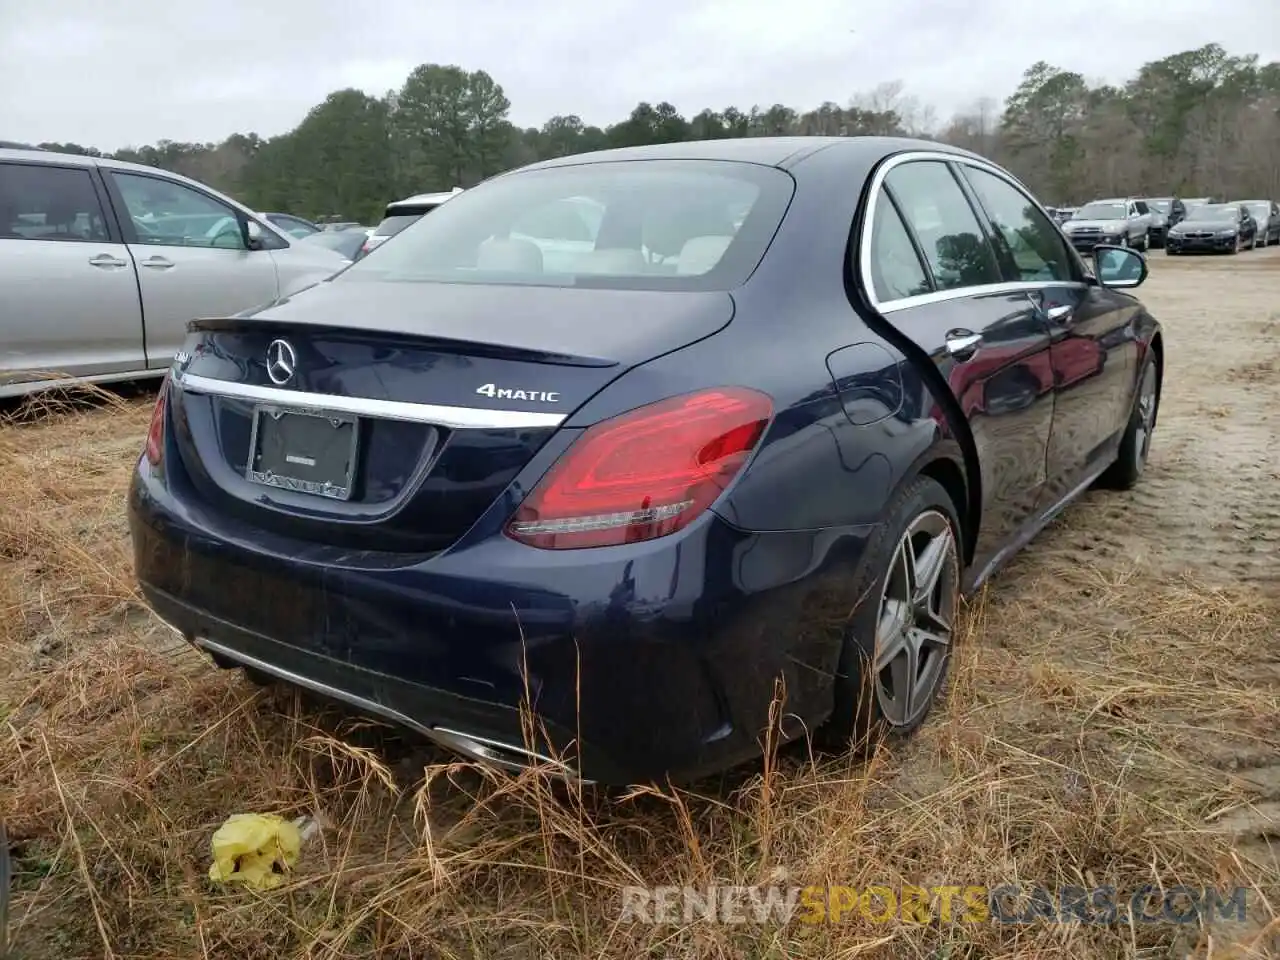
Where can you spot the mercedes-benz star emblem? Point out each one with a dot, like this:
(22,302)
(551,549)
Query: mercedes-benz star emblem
(281,361)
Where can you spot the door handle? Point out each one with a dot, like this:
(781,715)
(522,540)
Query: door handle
(106,260)
(158,263)
(962,344)
(1057,313)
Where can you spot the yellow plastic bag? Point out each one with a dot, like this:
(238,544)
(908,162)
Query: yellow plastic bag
(250,848)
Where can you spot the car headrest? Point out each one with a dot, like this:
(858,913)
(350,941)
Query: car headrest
(701,254)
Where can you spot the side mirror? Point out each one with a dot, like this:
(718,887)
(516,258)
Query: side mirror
(252,235)
(1119,267)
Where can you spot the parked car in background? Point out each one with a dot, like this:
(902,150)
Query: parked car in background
(575,513)
(1213,227)
(293,226)
(1165,213)
(345,242)
(1063,214)
(1189,202)
(1266,216)
(1122,221)
(401,213)
(103,263)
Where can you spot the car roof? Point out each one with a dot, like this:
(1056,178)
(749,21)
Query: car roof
(784,152)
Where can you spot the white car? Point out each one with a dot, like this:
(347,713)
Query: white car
(401,213)
(103,263)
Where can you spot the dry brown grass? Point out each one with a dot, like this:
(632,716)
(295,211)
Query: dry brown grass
(1107,723)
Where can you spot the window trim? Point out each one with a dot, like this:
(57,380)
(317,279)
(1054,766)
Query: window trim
(106,207)
(939,296)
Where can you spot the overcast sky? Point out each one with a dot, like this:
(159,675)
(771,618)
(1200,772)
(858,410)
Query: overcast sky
(116,74)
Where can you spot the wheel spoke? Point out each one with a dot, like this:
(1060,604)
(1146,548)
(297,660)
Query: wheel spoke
(929,567)
(891,634)
(904,671)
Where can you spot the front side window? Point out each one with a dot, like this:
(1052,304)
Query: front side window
(896,270)
(39,202)
(656,224)
(172,214)
(1034,245)
(946,226)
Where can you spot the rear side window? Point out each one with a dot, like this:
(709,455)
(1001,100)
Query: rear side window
(653,224)
(39,202)
(1033,245)
(896,270)
(395,223)
(946,226)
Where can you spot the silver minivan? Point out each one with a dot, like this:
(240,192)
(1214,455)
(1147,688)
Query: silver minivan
(103,263)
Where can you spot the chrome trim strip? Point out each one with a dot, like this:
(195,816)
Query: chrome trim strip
(986,290)
(470,745)
(938,296)
(456,418)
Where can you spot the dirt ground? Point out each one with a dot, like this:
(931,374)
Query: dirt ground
(1112,719)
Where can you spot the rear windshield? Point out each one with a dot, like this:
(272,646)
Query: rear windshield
(395,223)
(656,224)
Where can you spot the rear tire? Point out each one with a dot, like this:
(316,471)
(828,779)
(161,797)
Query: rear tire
(1135,445)
(897,643)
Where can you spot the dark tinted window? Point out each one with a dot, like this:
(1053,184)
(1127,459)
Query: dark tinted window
(946,226)
(896,270)
(654,224)
(1033,245)
(40,202)
(394,224)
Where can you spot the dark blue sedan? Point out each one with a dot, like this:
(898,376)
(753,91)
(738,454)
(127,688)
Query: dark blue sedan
(647,440)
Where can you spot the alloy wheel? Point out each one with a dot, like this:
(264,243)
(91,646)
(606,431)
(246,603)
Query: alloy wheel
(1146,415)
(916,617)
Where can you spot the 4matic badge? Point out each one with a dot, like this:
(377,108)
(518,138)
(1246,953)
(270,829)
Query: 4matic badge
(504,393)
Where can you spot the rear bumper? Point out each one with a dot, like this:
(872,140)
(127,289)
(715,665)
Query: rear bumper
(640,662)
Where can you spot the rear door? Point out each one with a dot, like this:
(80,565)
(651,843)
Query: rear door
(1092,351)
(191,255)
(936,278)
(67,282)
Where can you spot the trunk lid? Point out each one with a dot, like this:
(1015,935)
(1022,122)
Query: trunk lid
(410,407)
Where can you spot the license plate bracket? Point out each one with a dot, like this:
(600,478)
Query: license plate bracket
(303,450)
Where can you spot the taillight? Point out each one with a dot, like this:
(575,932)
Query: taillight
(155,433)
(644,474)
